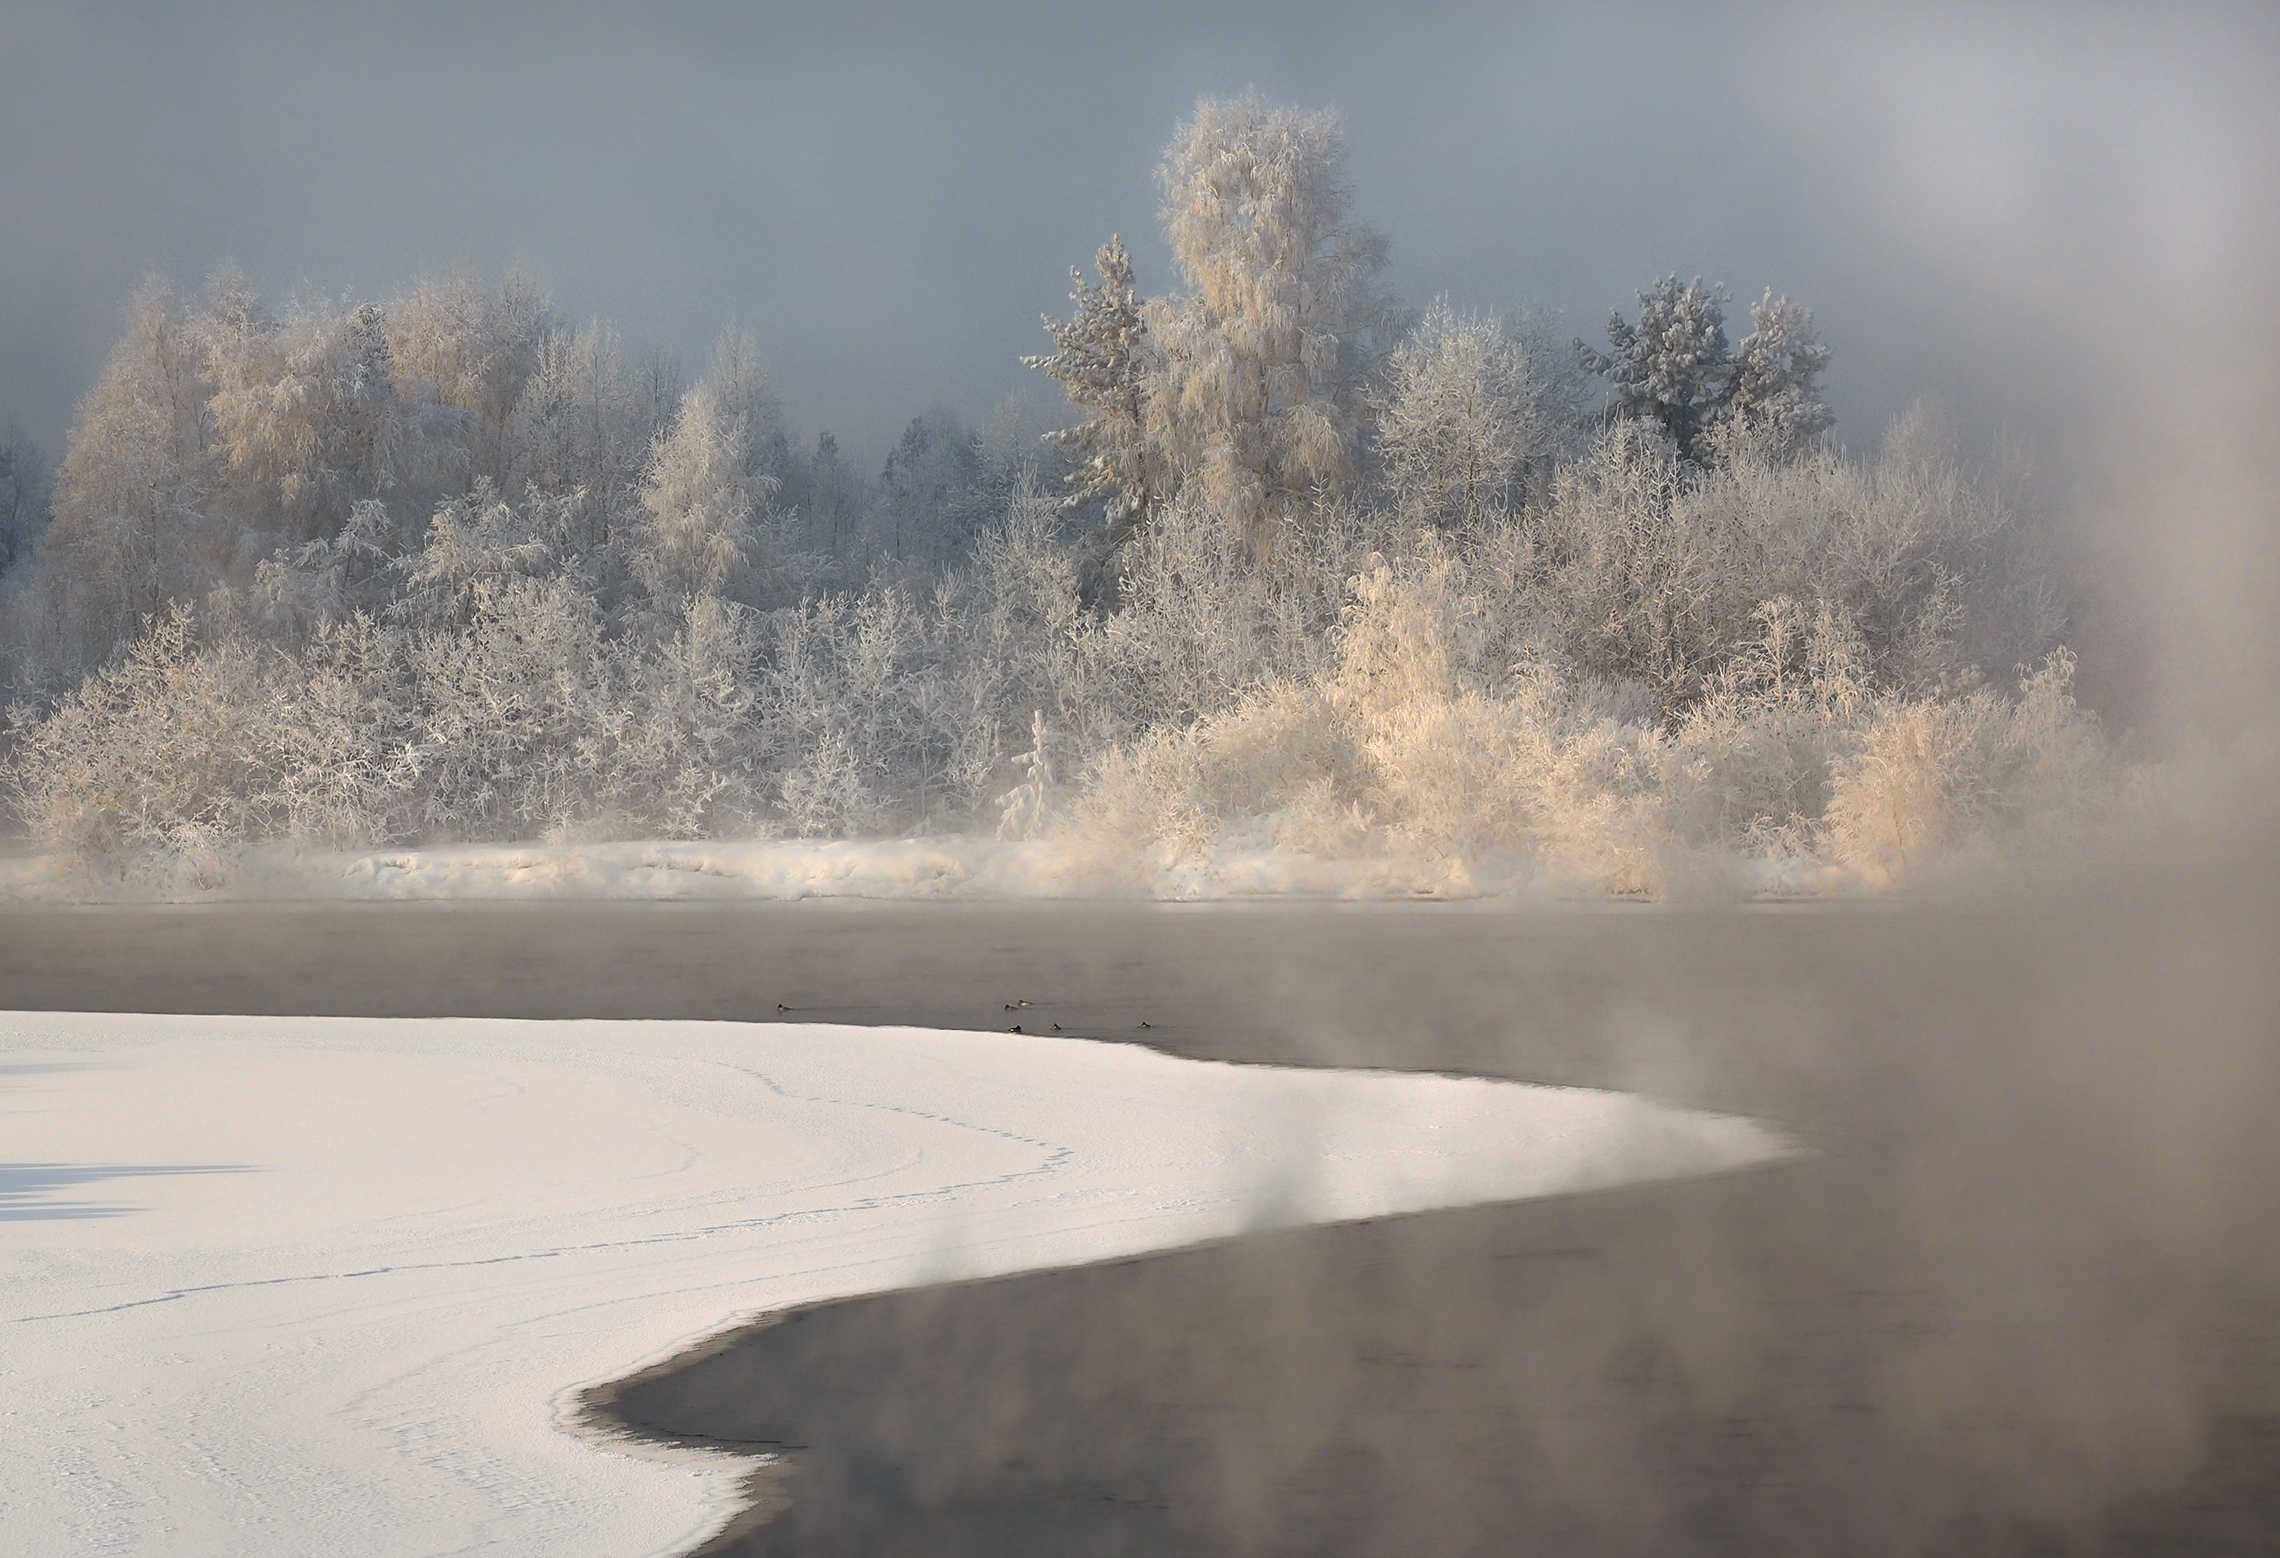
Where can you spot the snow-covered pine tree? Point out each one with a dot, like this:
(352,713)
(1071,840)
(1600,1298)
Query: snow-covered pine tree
(1022,810)
(1105,361)
(1672,368)
(1773,392)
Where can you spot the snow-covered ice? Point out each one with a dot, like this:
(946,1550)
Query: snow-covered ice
(332,1285)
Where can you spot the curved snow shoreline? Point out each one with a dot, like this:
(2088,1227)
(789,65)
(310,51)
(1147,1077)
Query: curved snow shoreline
(331,1284)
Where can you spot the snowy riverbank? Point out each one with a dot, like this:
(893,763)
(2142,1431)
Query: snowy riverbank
(947,867)
(290,1285)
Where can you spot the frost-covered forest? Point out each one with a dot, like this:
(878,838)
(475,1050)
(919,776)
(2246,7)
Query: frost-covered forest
(1308,569)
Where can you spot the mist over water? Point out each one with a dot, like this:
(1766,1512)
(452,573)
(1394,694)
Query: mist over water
(2024,1298)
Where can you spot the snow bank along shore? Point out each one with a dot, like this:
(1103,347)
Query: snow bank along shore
(298,1285)
(941,868)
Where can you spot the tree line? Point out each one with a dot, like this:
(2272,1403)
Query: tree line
(448,566)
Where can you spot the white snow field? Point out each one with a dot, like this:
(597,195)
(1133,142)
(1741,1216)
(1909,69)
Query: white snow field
(332,1285)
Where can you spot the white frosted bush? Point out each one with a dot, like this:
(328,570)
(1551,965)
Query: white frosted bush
(1023,809)
(1409,742)
(676,751)
(506,704)
(1919,777)
(824,790)
(345,744)
(1456,776)
(1748,768)
(850,700)
(173,741)
(1929,775)
(1205,623)
(490,705)
(1604,808)
(1283,754)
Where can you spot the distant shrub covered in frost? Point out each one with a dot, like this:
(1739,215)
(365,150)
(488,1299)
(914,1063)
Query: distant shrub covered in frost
(1474,709)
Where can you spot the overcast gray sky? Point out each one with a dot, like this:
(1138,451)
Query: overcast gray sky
(1991,206)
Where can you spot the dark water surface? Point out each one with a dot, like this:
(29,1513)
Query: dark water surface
(2026,1299)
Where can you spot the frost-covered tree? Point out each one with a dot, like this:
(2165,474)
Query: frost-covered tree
(1106,362)
(585,421)
(1675,368)
(744,391)
(699,500)
(466,350)
(1773,392)
(1259,401)
(304,418)
(1469,406)
(222,432)
(257,428)
(924,490)
(1672,367)
(826,495)
(130,530)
